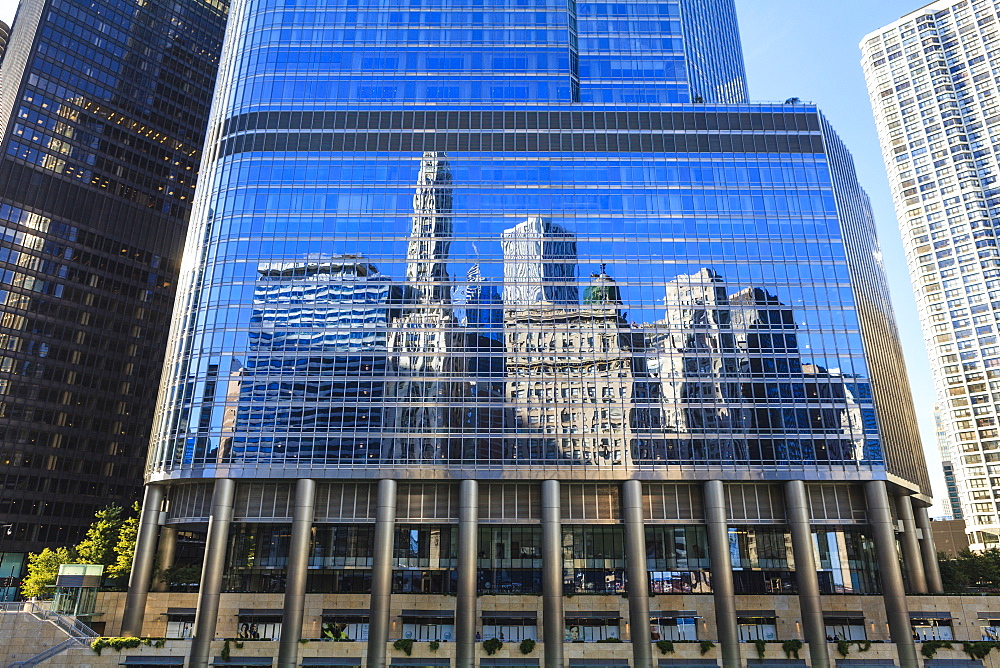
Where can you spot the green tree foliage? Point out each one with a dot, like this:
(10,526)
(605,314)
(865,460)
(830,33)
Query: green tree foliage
(110,542)
(971,570)
(98,547)
(125,547)
(43,568)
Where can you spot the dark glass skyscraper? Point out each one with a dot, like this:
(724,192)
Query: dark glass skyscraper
(628,333)
(103,109)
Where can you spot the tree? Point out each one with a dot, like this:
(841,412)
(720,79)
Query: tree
(978,570)
(125,547)
(98,547)
(43,568)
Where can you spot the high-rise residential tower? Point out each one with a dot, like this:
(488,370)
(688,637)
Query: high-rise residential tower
(103,110)
(687,381)
(4,38)
(937,108)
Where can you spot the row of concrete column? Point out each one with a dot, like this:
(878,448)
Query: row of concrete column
(919,556)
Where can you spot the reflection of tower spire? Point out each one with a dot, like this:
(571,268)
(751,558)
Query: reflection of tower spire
(430,234)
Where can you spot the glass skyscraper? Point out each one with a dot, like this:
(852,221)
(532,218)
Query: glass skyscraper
(938,116)
(521,297)
(103,110)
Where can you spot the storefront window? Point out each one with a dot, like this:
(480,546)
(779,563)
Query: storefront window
(845,628)
(931,628)
(592,629)
(757,628)
(510,628)
(344,627)
(673,628)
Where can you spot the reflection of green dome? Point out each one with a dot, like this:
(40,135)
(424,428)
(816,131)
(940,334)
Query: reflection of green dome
(602,290)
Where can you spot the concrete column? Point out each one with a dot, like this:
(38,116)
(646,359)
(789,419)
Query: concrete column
(381,599)
(893,591)
(210,589)
(468,551)
(142,561)
(722,573)
(810,603)
(638,577)
(298,570)
(928,551)
(165,555)
(911,546)
(553,619)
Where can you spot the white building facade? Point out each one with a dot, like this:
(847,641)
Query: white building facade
(934,92)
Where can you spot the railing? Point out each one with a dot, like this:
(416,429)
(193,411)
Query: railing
(80,635)
(69,643)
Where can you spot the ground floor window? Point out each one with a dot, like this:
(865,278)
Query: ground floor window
(510,629)
(931,628)
(180,625)
(344,627)
(427,629)
(259,627)
(757,628)
(990,628)
(592,629)
(673,628)
(845,628)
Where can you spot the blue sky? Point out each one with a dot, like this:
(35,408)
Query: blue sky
(809,49)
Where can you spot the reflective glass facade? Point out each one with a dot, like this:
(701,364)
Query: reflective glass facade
(103,109)
(481,280)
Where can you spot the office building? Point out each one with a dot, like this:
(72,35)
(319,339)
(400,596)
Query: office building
(693,384)
(103,110)
(937,111)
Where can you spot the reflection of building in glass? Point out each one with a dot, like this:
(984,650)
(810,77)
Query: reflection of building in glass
(539,264)
(717,355)
(313,382)
(570,378)
(425,386)
(482,430)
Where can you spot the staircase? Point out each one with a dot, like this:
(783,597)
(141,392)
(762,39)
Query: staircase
(80,635)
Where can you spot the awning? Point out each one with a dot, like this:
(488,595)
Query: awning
(842,613)
(592,614)
(509,614)
(243,661)
(989,615)
(153,661)
(688,663)
(675,613)
(421,663)
(331,661)
(181,611)
(348,612)
(259,612)
(433,614)
(755,613)
(508,663)
(932,615)
(598,663)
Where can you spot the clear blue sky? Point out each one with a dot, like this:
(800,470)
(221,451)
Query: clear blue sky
(809,49)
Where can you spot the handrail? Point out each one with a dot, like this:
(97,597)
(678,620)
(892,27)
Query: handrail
(50,652)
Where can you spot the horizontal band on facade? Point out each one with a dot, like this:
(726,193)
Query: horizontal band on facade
(599,119)
(544,142)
